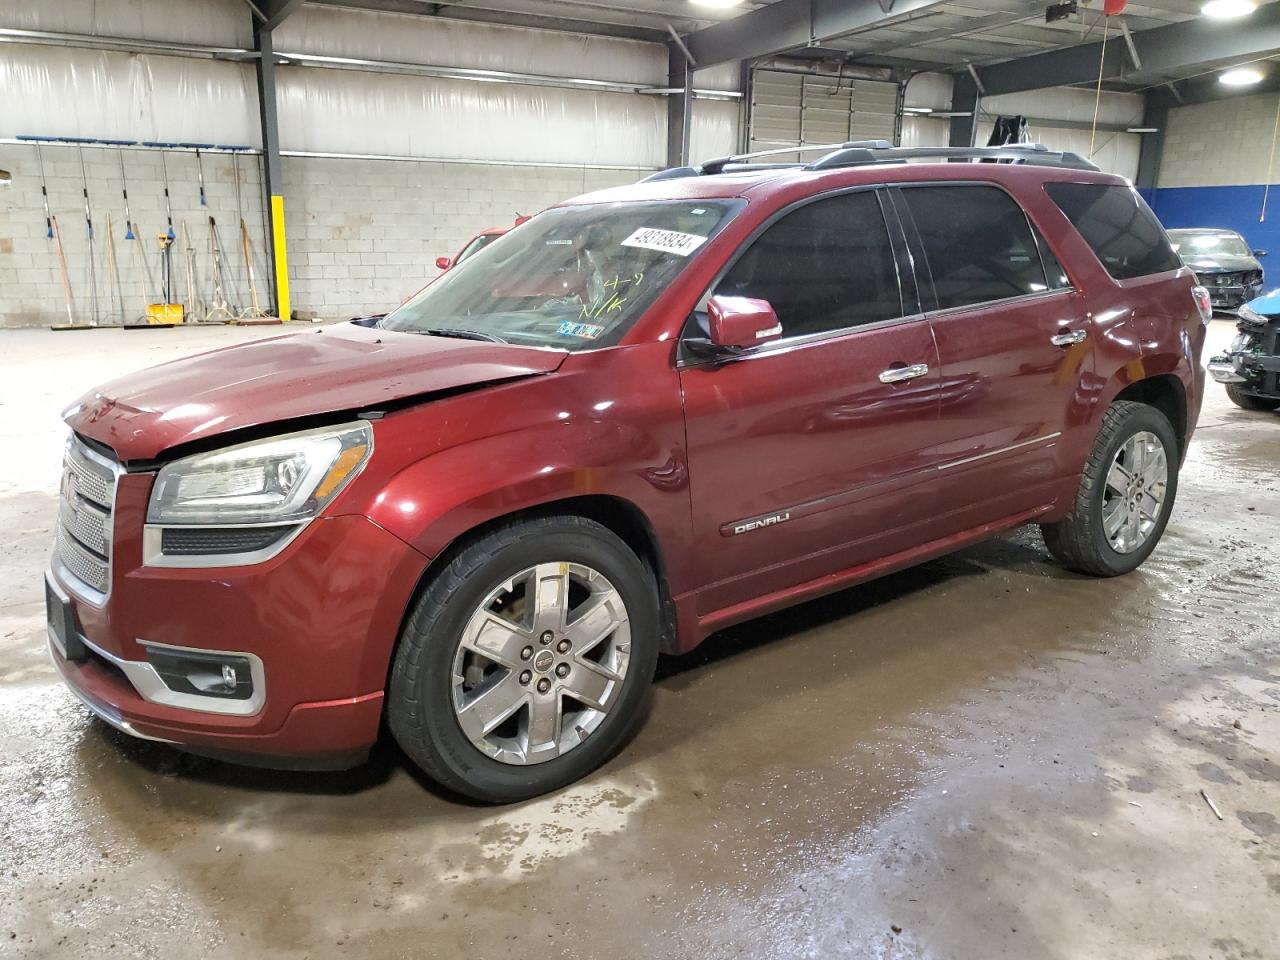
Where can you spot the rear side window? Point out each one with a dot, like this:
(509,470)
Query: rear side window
(978,244)
(1118,225)
(825,266)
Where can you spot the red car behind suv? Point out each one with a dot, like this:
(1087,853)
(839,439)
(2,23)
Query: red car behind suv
(647,414)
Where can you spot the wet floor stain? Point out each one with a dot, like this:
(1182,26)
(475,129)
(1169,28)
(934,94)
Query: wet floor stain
(986,756)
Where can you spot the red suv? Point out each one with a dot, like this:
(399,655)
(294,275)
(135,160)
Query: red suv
(647,414)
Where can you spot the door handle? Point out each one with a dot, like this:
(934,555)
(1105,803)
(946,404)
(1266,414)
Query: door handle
(1067,338)
(899,374)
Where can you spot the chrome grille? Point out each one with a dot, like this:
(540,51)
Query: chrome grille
(84,516)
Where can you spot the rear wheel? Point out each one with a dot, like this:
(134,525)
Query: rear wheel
(1247,401)
(527,660)
(1125,496)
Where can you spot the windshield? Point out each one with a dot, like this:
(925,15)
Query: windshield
(475,246)
(1193,243)
(572,278)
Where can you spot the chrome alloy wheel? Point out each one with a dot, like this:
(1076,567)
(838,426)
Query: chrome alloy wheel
(540,663)
(1135,490)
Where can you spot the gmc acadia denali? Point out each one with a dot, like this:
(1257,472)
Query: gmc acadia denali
(649,413)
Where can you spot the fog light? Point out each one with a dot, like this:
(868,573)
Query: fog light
(222,675)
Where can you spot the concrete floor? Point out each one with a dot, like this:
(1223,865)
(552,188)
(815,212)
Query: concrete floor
(982,757)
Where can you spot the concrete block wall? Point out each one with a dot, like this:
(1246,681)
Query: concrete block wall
(31,290)
(363,235)
(1213,171)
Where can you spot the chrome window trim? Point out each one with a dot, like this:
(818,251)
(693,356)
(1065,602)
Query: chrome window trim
(153,555)
(1003,301)
(785,344)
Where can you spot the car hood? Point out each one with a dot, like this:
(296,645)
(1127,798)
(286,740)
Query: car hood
(1220,263)
(1268,304)
(287,378)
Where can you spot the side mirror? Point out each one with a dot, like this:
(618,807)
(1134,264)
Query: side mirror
(443,263)
(737,323)
(1259,253)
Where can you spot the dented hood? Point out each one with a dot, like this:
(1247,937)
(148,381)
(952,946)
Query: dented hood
(338,368)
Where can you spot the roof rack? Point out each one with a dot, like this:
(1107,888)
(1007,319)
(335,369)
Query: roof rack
(857,153)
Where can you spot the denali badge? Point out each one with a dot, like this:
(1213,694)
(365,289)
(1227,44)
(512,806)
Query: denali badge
(746,526)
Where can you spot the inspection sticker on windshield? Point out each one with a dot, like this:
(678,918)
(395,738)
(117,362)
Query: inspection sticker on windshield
(588,331)
(667,241)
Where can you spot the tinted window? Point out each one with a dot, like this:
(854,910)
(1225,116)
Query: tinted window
(1058,278)
(1118,225)
(826,266)
(978,243)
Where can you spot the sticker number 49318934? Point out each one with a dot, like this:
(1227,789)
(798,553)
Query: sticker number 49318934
(667,241)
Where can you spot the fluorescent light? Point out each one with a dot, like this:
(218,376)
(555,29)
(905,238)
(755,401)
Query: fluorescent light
(724,4)
(1141,129)
(1240,77)
(1227,9)
(917,109)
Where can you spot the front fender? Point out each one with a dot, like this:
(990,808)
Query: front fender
(608,424)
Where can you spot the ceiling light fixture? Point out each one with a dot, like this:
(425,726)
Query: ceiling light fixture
(1240,77)
(1227,9)
(917,109)
(725,4)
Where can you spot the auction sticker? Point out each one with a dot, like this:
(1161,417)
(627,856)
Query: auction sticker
(667,241)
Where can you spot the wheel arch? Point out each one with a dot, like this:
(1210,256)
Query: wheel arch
(1167,393)
(617,514)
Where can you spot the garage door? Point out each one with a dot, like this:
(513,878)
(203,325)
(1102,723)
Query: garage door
(796,108)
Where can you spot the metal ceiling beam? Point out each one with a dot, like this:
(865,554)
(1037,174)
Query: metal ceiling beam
(1164,52)
(275,12)
(789,24)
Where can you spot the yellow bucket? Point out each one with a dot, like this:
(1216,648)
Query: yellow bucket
(166,313)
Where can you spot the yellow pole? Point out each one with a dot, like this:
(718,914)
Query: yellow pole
(281,258)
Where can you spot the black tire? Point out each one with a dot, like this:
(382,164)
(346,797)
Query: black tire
(1079,542)
(1247,401)
(419,707)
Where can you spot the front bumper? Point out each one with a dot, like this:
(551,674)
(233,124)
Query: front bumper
(319,621)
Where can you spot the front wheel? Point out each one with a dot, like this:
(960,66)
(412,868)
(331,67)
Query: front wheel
(1247,401)
(527,660)
(1125,496)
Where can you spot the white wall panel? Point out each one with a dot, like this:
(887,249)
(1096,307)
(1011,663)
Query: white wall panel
(341,111)
(925,132)
(931,90)
(223,23)
(370,35)
(69,92)
(715,129)
(723,76)
(1067,103)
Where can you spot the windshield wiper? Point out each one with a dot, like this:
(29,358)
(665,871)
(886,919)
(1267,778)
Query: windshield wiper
(460,334)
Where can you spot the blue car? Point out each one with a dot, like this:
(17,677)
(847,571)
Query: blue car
(1250,369)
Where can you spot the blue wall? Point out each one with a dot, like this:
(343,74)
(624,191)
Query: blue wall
(1235,208)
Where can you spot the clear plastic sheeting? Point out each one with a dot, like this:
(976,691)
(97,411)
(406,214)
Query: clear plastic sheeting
(723,76)
(437,41)
(1067,103)
(715,129)
(222,23)
(339,111)
(71,92)
(923,131)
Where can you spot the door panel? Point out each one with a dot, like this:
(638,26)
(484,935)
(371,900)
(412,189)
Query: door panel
(1012,397)
(803,462)
(1012,349)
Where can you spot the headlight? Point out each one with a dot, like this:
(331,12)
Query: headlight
(280,480)
(1251,316)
